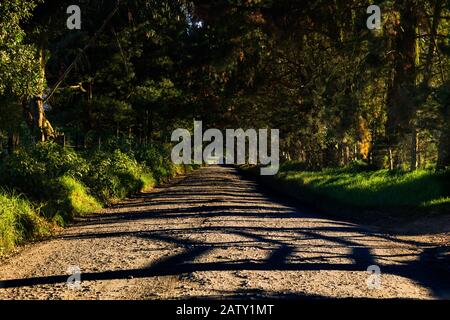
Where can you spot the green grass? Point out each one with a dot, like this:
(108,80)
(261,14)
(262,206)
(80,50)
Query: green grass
(357,187)
(380,188)
(80,202)
(19,222)
(71,198)
(148,181)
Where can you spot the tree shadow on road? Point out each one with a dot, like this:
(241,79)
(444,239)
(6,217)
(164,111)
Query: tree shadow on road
(339,246)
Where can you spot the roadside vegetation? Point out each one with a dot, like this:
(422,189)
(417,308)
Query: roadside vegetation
(357,189)
(19,221)
(107,98)
(51,185)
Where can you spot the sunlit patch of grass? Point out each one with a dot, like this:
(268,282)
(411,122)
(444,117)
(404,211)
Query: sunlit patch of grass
(148,181)
(437,202)
(78,199)
(19,221)
(383,188)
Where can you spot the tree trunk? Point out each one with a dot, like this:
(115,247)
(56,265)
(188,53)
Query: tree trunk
(444,152)
(13,141)
(400,102)
(37,121)
(346,155)
(414,150)
(34,112)
(444,142)
(391,160)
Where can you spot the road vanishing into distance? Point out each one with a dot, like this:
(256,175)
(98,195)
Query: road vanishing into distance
(214,234)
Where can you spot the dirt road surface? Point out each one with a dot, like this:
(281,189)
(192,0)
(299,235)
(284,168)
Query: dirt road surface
(214,234)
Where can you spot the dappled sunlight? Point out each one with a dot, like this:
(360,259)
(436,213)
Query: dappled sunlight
(217,243)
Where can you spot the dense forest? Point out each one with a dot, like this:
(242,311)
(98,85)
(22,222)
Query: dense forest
(137,69)
(81,108)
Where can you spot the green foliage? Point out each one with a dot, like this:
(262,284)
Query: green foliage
(358,187)
(71,200)
(33,171)
(19,73)
(11,114)
(50,175)
(65,184)
(60,161)
(115,175)
(157,158)
(53,174)
(18,221)
(110,113)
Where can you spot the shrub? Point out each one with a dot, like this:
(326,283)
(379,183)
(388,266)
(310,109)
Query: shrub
(116,175)
(66,184)
(157,158)
(24,173)
(33,172)
(60,161)
(50,174)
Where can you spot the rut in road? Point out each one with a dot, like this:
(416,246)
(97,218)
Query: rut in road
(214,234)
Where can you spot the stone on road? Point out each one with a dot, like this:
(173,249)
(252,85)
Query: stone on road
(214,234)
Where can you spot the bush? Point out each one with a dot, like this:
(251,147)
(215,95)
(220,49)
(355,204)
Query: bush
(60,161)
(50,174)
(25,174)
(114,176)
(65,184)
(34,172)
(157,158)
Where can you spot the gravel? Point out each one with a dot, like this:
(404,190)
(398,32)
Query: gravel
(214,234)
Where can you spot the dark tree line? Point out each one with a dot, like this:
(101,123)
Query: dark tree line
(338,91)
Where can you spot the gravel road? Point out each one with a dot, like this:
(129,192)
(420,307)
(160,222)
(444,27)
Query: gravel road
(215,234)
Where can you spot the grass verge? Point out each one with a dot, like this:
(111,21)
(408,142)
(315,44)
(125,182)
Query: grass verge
(357,192)
(19,221)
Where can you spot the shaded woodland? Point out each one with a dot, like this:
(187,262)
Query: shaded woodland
(138,69)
